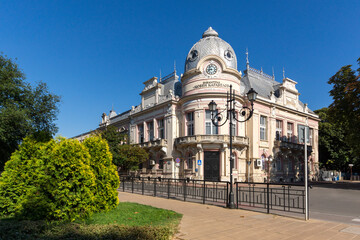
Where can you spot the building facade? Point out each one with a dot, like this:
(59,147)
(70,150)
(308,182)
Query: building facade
(173,122)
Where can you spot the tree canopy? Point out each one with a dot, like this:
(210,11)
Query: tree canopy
(339,138)
(125,156)
(24,109)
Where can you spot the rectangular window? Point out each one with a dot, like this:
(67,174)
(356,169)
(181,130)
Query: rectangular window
(190,123)
(278,165)
(211,129)
(278,130)
(290,165)
(141,133)
(311,136)
(161,129)
(263,127)
(234,127)
(150,129)
(290,128)
(161,163)
(190,161)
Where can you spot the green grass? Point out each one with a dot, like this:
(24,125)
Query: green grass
(133,214)
(127,221)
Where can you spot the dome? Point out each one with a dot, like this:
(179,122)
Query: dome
(210,44)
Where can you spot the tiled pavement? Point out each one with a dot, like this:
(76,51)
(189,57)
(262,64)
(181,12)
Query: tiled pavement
(211,222)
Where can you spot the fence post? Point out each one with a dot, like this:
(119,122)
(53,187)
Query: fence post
(142,186)
(123,184)
(268,198)
(237,195)
(184,189)
(132,184)
(169,188)
(227,193)
(284,197)
(204,191)
(155,187)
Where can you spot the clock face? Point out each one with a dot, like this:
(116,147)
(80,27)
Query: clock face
(211,69)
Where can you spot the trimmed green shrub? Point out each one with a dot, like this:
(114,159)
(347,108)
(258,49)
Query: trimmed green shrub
(58,180)
(106,176)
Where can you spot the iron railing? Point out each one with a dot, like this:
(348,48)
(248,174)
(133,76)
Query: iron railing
(272,197)
(183,189)
(264,197)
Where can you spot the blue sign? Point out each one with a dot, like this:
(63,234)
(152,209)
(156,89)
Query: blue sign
(199,162)
(196,170)
(177,160)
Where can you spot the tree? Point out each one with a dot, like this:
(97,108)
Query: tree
(125,157)
(24,110)
(344,111)
(334,151)
(61,179)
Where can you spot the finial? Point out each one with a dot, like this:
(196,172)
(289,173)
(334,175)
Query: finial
(273,73)
(112,107)
(261,70)
(160,74)
(175,67)
(283,73)
(247,58)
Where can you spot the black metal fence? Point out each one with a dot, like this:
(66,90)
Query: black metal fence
(183,189)
(264,197)
(271,197)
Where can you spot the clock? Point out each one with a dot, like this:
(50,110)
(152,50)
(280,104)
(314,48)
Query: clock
(211,69)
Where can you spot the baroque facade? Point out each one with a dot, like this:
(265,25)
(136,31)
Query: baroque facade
(173,122)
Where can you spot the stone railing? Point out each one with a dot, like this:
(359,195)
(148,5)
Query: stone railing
(237,140)
(153,143)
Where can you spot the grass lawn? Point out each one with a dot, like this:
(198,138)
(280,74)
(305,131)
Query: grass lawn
(127,221)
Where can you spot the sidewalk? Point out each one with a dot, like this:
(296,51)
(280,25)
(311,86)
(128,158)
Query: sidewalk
(209,222)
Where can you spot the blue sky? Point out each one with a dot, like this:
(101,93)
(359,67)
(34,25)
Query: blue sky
(97,54)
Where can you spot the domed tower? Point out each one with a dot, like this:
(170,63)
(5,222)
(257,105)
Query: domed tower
(210,66)
(210,69)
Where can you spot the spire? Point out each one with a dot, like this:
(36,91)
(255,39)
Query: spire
(261,70)
(160,75)
(175,67)
(247,59)
(273,73)
(283,73)
(210,33)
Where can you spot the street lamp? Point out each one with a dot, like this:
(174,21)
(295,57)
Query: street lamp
(351,165)
(231,115)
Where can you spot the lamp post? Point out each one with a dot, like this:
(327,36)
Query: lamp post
(231,116)
(351,165)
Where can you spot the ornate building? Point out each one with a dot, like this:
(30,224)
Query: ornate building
(173,121)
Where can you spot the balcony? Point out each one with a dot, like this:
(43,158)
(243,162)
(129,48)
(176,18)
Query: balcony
(291,146)
(217,139)
(156,143)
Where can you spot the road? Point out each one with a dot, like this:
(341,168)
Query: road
(338,202)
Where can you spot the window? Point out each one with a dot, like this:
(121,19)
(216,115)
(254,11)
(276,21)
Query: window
(278,130)
(263,124)
(161,163)
(141,133)
(290,128)
(150,129)
(290,165)
(189,161)
(311,136)
(234,126)
(190,123)
(161,129)
(278,164)
(211,129)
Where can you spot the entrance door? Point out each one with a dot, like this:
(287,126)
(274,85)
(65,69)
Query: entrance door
(212,166)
